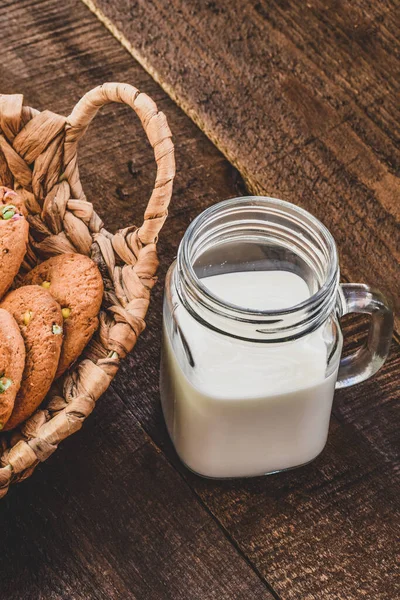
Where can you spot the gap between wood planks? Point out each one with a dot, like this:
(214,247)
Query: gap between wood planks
(141,59)
(253,186)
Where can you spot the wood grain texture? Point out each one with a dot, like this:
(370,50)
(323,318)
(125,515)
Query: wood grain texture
(301,96)
(113,514)
(109,518)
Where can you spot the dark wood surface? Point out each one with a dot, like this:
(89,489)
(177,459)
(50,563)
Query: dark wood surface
(303,97)
(113,513)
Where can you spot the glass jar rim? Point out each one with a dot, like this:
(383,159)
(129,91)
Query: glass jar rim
(322,300)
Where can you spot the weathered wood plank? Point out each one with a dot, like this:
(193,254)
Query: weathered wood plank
(327,530)
(323,531)
(107,517)
(301,97)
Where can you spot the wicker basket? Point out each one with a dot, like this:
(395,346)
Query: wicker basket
(38,158)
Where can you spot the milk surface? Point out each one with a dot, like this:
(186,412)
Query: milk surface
(236,408)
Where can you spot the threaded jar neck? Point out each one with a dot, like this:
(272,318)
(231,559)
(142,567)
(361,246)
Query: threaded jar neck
(257,233)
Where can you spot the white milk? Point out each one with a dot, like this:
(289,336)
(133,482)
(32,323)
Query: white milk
(244,408)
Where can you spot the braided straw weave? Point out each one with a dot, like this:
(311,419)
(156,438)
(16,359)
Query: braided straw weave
(38,158)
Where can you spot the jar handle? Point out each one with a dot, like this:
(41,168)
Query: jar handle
(367,360)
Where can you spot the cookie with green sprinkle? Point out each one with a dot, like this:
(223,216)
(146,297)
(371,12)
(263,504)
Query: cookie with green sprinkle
(12,363)
(75,282)
(8,196)
(40,322)
(14,231)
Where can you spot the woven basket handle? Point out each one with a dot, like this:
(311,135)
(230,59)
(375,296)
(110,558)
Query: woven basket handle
(158,133)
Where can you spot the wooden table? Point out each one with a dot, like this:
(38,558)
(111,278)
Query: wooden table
(301,98)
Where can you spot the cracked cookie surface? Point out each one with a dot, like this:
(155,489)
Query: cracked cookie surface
(76,284)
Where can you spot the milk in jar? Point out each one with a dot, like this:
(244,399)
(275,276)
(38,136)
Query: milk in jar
(246,409)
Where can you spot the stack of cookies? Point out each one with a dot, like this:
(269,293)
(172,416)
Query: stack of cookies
(45,321)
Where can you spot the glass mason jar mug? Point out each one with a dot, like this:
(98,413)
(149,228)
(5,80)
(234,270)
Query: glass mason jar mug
(252,342)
